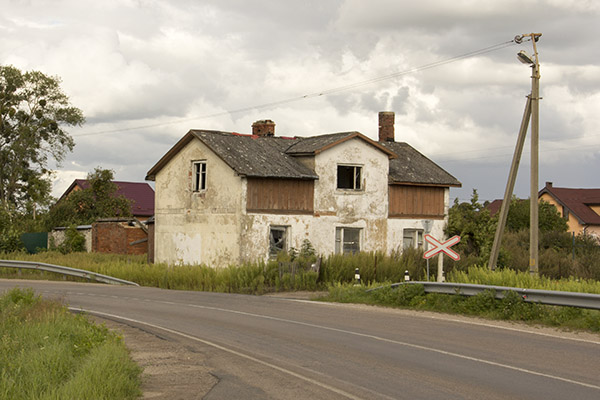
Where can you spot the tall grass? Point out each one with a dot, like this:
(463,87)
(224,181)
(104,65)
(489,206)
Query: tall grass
(48,353)
(261,277)
(520,279)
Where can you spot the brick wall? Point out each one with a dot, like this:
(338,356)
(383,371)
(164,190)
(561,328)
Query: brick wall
(115,237)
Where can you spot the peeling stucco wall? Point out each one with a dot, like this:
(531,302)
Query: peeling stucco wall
(214,228)
(197,227)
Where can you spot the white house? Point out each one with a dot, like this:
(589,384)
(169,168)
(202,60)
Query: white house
(224,198)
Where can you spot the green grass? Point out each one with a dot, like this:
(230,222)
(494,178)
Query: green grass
(484,305)
(48,353)
(518,279)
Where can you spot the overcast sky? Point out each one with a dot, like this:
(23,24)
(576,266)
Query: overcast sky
(144,72)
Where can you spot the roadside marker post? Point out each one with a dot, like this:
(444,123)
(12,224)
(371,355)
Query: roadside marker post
(441,248)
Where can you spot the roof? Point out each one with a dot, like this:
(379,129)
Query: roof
(494,206)
(412,167)
(316,144)
(277,157)
(577,201)
(141,195)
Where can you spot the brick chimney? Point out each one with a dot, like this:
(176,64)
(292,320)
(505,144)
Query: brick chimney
(548,184)
(264,127)
(386,126)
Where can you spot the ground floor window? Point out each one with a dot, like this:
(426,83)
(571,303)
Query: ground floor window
(412,238)
(347,240)
(278,238)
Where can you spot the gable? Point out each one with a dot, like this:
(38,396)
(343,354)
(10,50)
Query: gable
(582,203)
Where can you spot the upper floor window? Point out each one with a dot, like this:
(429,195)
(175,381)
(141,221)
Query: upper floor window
(199,176)
(349,177)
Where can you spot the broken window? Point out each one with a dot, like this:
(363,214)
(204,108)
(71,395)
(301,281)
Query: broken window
(347,240)
(412,238)
(199,176)
(349,177)
(277,240)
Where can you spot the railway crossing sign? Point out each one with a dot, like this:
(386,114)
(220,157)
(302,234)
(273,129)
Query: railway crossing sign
(442,247)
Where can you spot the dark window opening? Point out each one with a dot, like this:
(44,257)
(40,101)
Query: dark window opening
(349,177)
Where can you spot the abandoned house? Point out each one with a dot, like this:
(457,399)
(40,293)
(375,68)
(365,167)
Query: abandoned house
(223,198)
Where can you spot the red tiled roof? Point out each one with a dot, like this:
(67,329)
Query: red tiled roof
(494,206)
(577,201)
(141,195)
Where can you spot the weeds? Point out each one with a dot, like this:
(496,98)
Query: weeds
(48,353)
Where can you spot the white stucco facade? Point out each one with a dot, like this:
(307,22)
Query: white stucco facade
(212,226)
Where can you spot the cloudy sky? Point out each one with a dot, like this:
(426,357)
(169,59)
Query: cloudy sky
(144,72)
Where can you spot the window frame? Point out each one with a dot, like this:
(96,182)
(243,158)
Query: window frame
(199,174)
(416,237)
(285,246)
(356,178)
(342,244)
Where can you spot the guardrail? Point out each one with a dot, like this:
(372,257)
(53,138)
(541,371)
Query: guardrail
(80,273)
(549,297)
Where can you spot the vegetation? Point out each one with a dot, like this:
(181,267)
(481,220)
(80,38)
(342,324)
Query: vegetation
(560,254)
(512,307)
(85,206)
(48,353)
(33,111)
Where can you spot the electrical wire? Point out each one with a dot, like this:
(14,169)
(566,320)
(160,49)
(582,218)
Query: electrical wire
(327,92)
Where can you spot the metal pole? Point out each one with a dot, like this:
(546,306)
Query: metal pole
(534,222)
(510,185)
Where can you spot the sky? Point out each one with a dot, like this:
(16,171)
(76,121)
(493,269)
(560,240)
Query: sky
(144,72)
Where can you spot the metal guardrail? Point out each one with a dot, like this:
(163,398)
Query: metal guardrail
(80,273)
(549,297)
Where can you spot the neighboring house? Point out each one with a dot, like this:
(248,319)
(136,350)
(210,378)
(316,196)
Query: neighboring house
(115,235)
(579,207)
(140,194)
(224,198)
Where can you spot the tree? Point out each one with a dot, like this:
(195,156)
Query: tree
(548,217)
(33,111)
(85,206)
(472,222)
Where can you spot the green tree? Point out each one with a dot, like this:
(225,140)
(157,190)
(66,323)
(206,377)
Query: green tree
(472,222)
(33,112)
(85,206)
(548,217)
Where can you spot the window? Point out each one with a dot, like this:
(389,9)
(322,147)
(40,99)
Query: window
(412,238)
(347,240)
(277,240)
(349,177)
(199,176)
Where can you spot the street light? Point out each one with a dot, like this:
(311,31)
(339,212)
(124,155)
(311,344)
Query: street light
(531,111)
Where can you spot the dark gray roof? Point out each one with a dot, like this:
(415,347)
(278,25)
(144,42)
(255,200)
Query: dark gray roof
(276,157)
(310,145)
(413,167)
(259,157)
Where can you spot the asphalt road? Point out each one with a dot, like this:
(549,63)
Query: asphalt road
(275,348)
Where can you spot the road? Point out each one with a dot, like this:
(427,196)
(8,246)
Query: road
(272,348)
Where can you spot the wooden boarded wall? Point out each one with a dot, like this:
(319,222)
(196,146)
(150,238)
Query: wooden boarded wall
(416,202)
(286,196)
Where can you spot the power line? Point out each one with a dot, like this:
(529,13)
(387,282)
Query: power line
(315,94)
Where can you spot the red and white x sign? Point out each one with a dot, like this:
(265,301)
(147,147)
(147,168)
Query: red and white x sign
(442,247)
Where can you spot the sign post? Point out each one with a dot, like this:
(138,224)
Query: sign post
(441,248)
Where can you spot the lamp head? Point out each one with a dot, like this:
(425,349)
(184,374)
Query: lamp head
(525,58)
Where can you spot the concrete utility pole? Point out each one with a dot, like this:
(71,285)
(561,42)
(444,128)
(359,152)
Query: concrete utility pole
(531,110)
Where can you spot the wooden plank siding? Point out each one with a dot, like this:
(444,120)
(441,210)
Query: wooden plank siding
(416,202)
(280,196)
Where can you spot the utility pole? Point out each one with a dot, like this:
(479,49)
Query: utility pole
(531,110)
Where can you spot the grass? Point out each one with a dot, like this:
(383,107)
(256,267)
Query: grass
(511,308)
(48,353)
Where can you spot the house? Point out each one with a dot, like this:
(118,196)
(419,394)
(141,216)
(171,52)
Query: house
(224,198)
(140,194)
(580,207)
(115,235)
